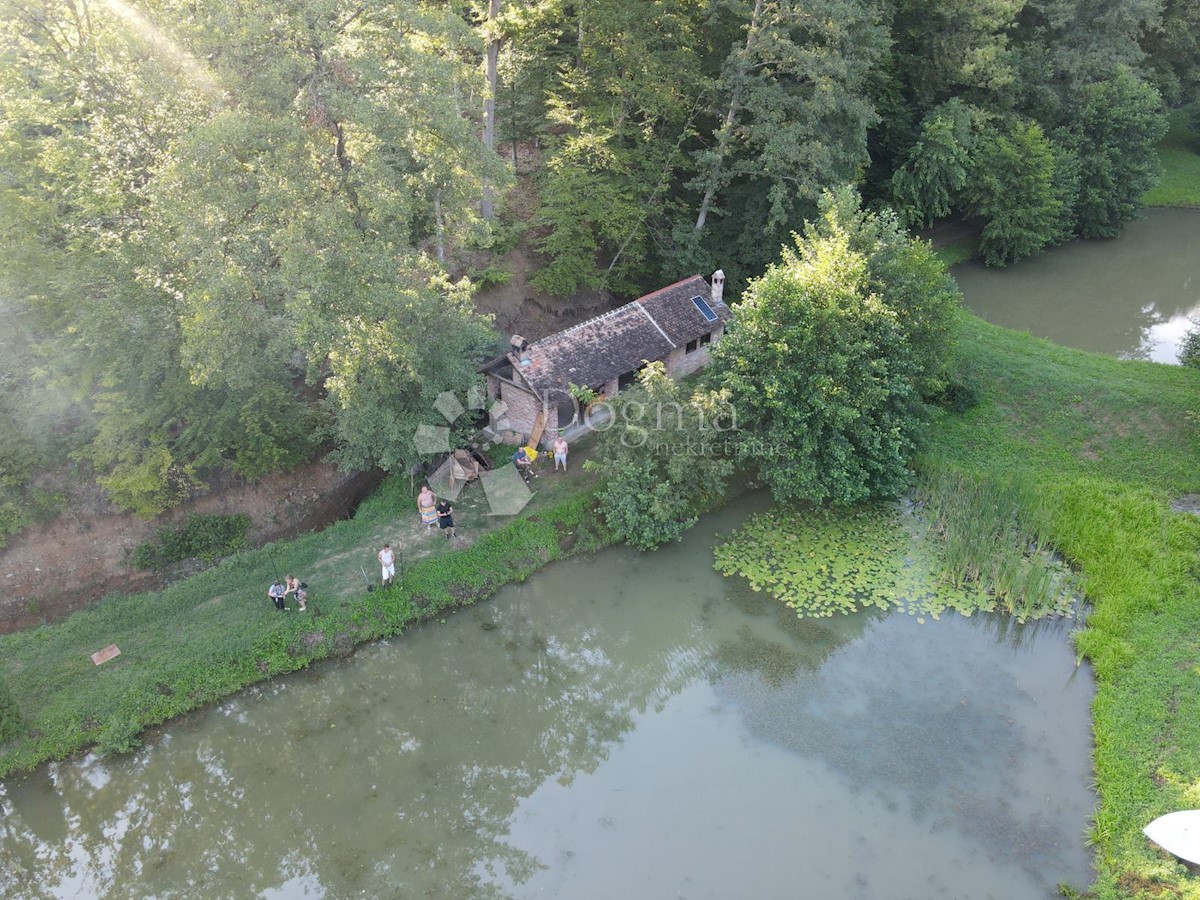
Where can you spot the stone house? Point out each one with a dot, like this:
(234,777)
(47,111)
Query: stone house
(675,325)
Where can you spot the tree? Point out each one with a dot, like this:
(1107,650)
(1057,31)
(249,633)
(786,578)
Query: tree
(820,368)
(1172,47)
(929,184)
(1114,128)
(1012,187)
(622,112)
(217,197)
(418,337)
(905,274)
(794,122)
(663,460)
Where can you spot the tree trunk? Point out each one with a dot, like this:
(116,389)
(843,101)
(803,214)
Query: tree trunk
(743,62)
(437,215)
(489,102)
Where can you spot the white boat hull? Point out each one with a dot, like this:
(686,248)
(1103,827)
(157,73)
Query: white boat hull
(1178,833)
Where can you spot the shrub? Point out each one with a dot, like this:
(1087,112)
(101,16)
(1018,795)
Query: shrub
(1189,349)
(662,459)
(206,537)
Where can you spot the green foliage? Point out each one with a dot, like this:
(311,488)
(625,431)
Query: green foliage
(387,369)
(928,185)
(1013,188)
(824,561)
(663,461)
(1189,348)
(1114,127)
(829,352)
(1172,47)
(185,259)
(205,537)
(11,721)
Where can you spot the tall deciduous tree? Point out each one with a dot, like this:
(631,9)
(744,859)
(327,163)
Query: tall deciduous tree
(824,375)
(1114,129)
(1012,187)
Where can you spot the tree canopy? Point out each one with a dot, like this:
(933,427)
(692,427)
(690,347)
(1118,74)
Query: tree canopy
(236,236)
(829,352)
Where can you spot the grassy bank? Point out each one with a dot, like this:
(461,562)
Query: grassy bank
(204,638)
(1179,154)
(1107,444)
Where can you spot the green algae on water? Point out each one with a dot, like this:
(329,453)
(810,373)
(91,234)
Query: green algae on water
(824,561)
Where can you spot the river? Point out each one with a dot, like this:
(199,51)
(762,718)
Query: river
(625,725)
(1131,297)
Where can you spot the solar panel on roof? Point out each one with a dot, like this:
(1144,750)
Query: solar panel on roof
(705,309)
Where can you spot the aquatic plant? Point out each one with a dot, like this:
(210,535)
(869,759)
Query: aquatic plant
(820,561)
(960,552)
(992,534)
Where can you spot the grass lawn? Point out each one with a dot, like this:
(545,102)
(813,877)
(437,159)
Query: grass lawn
(203,638)
(1108,443)
(1179,154)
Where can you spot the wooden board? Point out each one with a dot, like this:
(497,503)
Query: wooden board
(539,426)
(112,651)
(1178,833)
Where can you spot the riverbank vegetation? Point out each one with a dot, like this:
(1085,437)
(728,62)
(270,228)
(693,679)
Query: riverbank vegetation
(238,237)
(1179,155)
(1104,446)
(209,636)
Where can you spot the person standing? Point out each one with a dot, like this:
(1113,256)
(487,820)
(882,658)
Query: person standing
(560,453)
(387,564)
(446,518)
(275,593)
(426,506)
(299,588)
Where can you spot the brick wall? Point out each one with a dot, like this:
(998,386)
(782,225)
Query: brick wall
(523,410)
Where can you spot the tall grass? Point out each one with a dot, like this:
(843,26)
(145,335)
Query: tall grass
(993,533)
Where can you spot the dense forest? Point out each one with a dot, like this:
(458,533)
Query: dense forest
(238,235)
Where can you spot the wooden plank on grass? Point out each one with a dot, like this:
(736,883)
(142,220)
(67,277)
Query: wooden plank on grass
(103,656)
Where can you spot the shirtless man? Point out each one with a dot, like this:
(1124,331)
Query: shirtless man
(299,588)
(560,453)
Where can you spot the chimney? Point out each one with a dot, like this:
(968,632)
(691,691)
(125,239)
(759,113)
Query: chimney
(517,343)
(718,286)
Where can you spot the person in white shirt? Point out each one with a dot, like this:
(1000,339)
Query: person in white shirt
(387,563)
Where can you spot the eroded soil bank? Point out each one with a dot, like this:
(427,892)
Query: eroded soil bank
(50,570)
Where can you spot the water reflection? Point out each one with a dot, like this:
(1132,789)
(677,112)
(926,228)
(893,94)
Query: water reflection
(628,725)
(1131,297)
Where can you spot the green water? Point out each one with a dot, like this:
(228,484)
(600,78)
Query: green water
(629,726)
(1130,297)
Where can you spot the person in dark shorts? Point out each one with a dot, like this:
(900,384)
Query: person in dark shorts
(446,518)
(276,593)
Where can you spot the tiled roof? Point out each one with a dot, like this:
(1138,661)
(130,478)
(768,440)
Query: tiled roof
(673,310)
(598,350)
